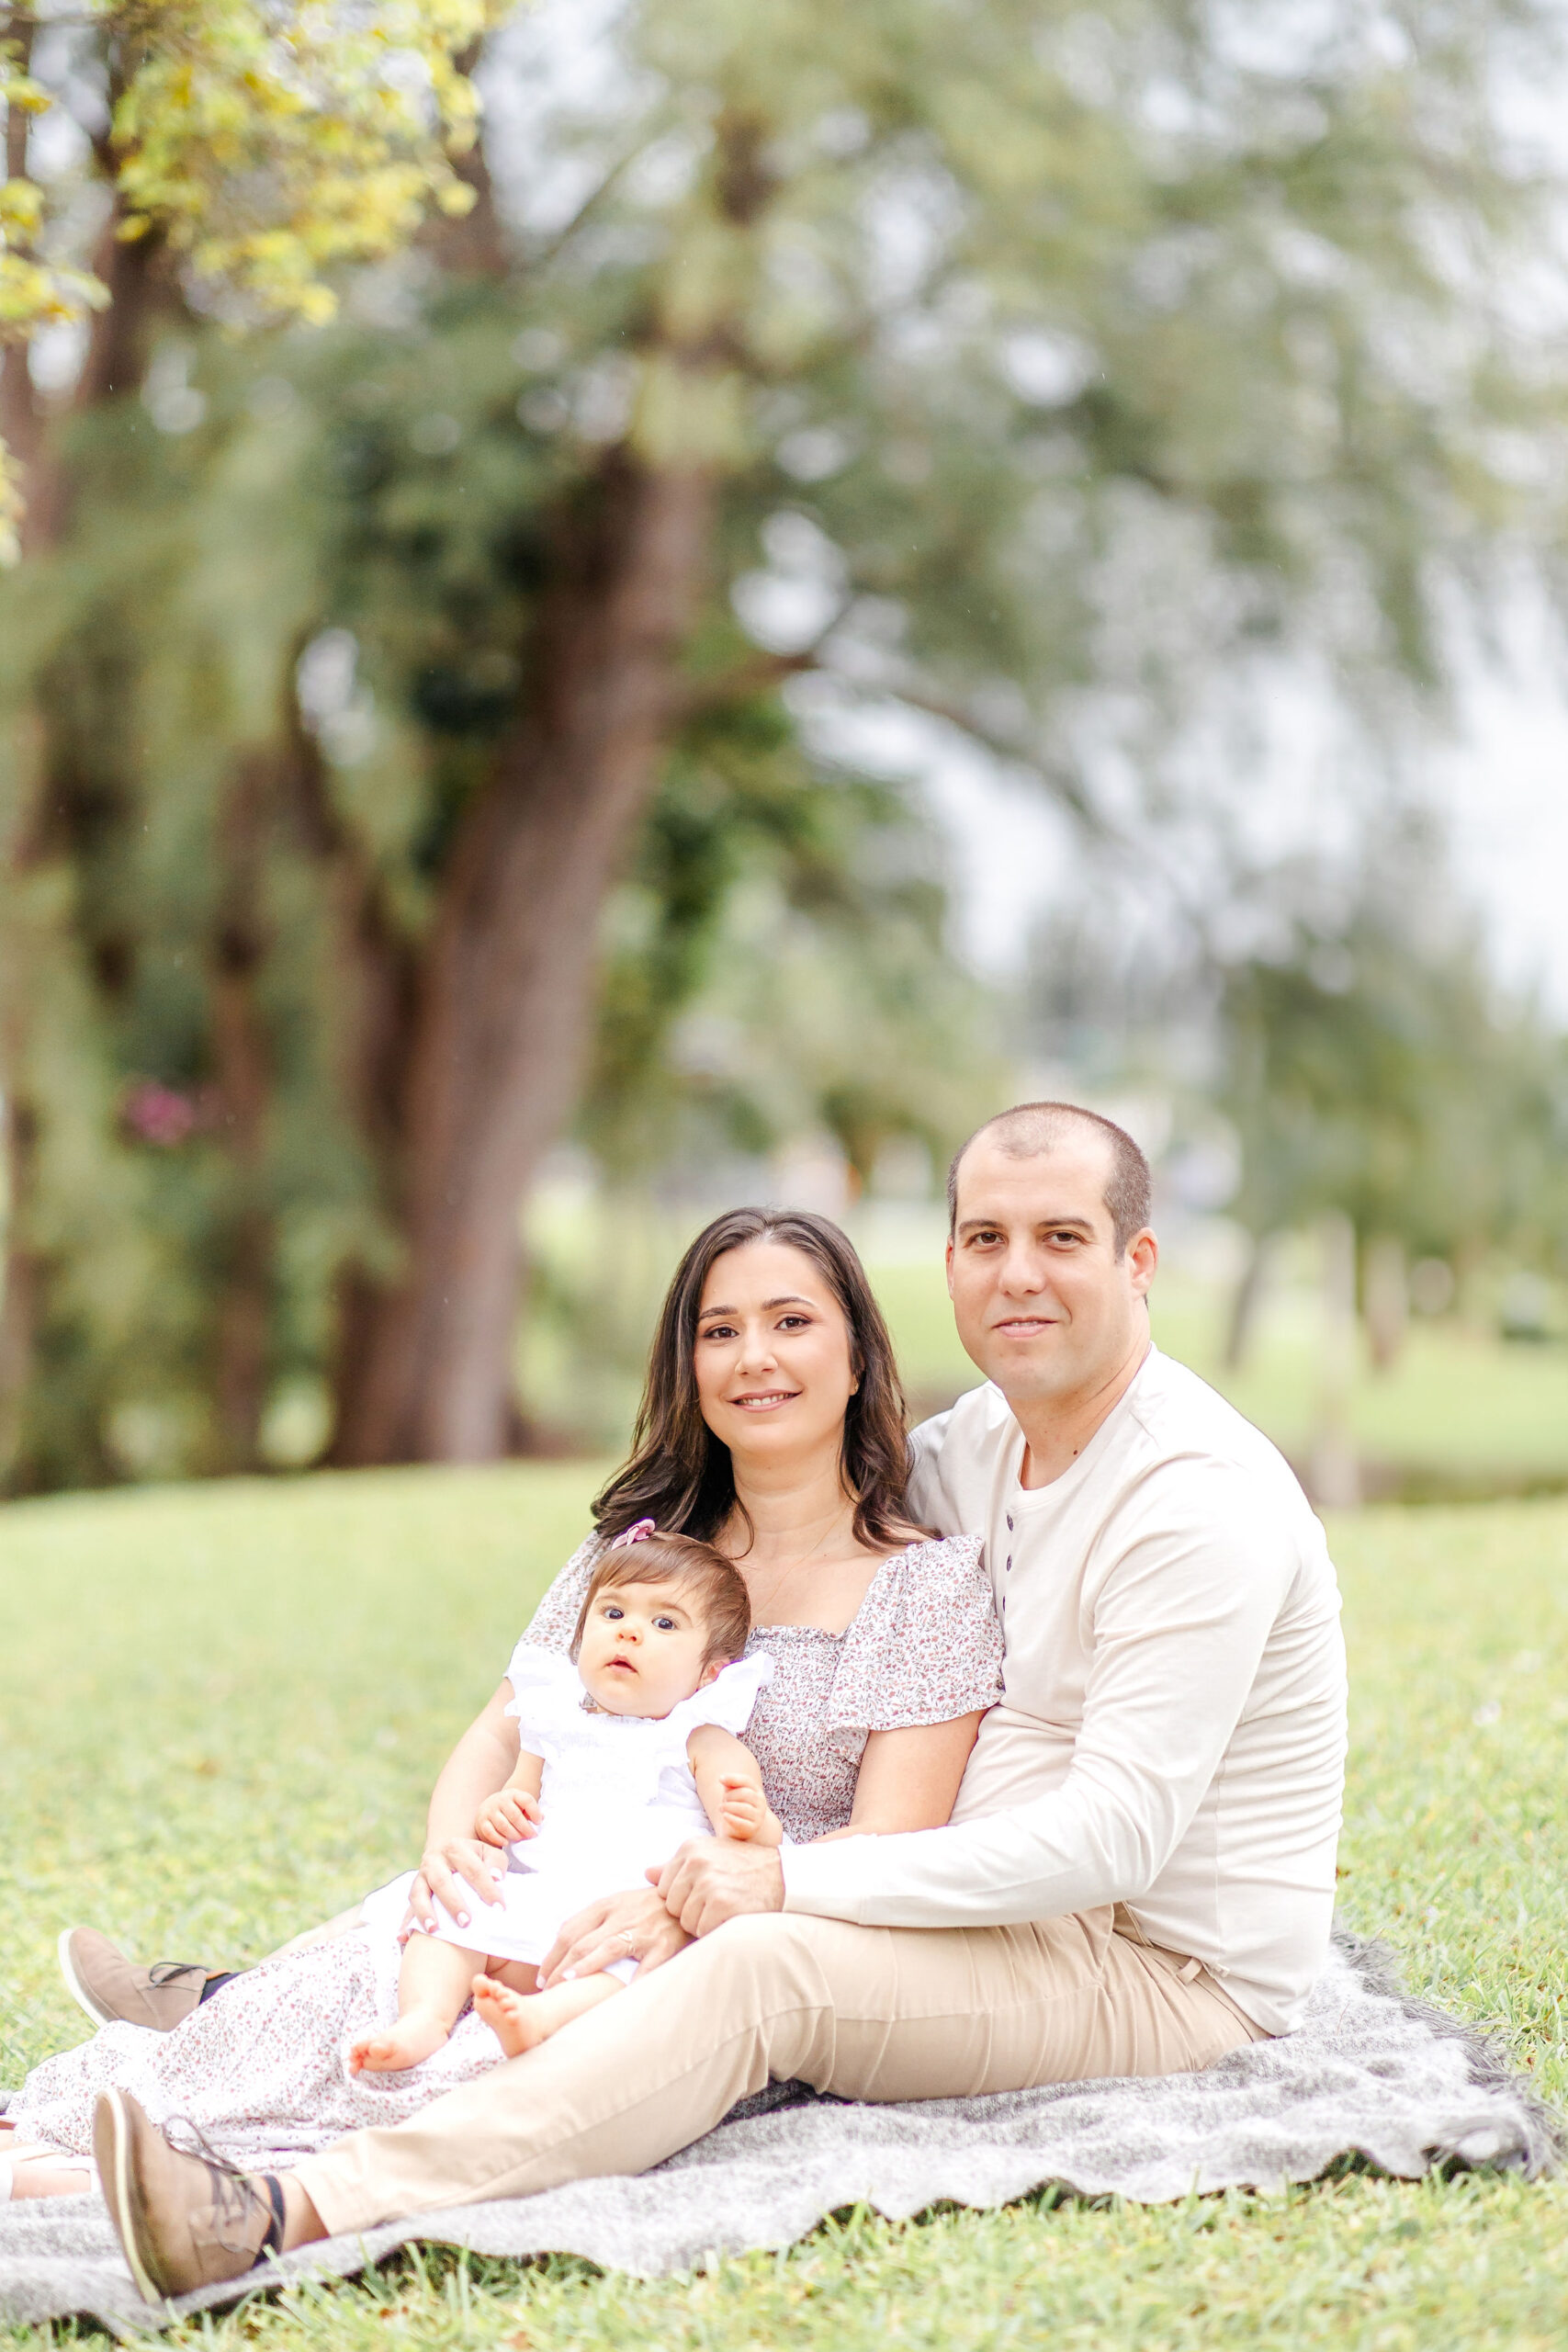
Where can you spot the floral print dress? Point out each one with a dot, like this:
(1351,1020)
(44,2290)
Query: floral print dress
(259,2069)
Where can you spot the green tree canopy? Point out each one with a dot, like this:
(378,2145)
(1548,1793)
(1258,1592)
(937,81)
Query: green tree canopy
(264,146)
(1374,1067)
(985,365)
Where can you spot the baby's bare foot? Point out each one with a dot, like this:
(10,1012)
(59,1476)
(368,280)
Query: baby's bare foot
(515,2018)
(395,2048)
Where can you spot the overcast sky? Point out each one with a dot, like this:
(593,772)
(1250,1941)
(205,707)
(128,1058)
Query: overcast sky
(1501,784)
(1505,787)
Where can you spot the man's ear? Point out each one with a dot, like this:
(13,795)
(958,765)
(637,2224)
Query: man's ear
(948,1263)
(1143,1254)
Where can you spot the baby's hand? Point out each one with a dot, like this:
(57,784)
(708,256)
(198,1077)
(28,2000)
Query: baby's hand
(507,1816)
(744,1813)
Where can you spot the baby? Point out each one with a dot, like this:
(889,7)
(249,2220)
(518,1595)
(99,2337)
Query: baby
(624,1754)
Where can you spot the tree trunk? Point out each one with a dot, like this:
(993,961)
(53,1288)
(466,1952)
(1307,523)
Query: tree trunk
(19,1307)
(119,344)
(1334,1471)
(471,243)
(1246,1298)
(243,1081)
(27,1270)
(375,980)
(142,289)
(507,983)
(1386,1283)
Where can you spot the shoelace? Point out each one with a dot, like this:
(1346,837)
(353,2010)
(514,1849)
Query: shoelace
(236,2196)
(166,1972)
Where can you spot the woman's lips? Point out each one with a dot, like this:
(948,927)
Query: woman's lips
(765,1401)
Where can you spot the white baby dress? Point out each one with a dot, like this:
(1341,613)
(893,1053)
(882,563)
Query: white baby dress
(617,1797)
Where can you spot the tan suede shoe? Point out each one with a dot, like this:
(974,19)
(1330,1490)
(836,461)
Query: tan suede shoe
(114,1991)
(184,2222)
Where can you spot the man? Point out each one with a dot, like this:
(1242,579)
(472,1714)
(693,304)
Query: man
(1139,1873)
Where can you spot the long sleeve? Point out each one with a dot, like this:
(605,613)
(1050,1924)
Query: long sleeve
(1191,1574)
(929,1501)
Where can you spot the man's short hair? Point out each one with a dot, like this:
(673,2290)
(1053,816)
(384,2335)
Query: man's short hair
(1031,1129)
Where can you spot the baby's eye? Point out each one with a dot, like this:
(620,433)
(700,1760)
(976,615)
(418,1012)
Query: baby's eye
(665,1625)
(610,1610)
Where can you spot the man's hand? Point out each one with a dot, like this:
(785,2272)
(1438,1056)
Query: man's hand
(510,1814)
(632,1925)
(711,1880)
(453,1873)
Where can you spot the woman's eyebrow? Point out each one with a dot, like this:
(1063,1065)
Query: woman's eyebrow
(791,1298)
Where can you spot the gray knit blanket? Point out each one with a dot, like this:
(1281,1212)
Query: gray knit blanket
(1371,2076)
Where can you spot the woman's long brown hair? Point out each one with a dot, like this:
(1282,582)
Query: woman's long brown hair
(679,1474)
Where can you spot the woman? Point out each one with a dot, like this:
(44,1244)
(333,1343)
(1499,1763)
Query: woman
(772,1424)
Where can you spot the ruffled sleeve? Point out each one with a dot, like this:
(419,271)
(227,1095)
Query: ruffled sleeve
(543,1685)
(554,1622)
(926,1643)
(727,1700)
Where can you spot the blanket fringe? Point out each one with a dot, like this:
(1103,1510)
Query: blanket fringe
(1492,2066)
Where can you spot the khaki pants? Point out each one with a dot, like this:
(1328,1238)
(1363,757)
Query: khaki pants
(870,2013)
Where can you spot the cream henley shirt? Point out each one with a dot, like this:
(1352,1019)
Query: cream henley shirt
(1171,1733)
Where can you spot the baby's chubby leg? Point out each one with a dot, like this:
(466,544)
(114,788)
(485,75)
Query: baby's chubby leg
(433,1984)
(520,2021)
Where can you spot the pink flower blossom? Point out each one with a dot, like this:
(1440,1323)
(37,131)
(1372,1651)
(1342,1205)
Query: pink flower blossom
(157,1115)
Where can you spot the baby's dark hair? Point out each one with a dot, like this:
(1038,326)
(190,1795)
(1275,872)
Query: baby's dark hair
(714,1586)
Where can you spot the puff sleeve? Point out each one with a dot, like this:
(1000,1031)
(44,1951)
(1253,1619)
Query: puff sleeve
(542,1684)
(927,1645)
(727,1700)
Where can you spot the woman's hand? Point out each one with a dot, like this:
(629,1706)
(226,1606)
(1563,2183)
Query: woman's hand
(453,1873)
(510,1814)
(632,1925)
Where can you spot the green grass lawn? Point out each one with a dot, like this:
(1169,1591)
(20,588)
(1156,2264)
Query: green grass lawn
(219,1711)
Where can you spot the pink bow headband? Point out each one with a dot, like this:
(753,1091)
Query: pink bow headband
(637,1533)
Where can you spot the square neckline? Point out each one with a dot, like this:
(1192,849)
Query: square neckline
(919,1544)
